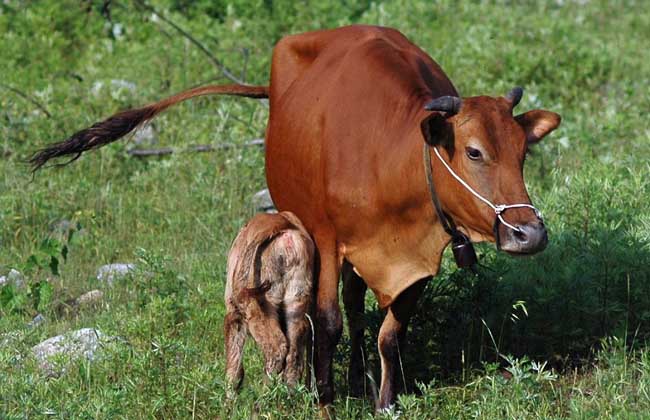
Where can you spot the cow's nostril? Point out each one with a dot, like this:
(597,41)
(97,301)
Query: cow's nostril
(527,239)
(520,235)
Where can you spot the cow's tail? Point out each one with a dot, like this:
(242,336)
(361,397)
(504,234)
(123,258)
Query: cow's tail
(122,123)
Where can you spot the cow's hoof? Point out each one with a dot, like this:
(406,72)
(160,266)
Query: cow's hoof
(326,412)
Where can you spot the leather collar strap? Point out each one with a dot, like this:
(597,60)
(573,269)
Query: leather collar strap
(462,247)
(447,223)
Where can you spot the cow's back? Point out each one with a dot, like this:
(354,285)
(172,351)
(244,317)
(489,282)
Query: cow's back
(334,93)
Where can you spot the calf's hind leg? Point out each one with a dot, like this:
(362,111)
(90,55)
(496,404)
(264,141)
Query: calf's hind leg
(235,337)
(297,333)
(265,329)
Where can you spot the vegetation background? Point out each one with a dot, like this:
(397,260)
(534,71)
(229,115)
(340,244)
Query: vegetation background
(558,335)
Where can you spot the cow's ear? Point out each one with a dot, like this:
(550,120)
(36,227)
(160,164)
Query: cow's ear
(538,123)
(435,129)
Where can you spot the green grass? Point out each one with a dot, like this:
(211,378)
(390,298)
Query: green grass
(587,297)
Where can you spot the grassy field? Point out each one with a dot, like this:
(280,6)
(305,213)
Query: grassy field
(559,335)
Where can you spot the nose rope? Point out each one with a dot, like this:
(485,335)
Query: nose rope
(499,209)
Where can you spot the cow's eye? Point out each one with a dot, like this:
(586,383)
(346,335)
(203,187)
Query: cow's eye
(473,154)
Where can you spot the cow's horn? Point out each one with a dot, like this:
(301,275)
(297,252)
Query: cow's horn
(514,96)
(450,104)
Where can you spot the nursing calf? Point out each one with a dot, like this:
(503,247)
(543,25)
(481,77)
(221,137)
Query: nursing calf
(268,293)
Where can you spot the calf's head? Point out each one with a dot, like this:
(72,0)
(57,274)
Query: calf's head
(480,141)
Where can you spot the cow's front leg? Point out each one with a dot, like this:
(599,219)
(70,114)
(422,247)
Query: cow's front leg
(354,292)
(391,340)
(329,324)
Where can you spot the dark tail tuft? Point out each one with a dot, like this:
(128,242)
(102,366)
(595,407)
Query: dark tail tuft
(121,124)
(98,135)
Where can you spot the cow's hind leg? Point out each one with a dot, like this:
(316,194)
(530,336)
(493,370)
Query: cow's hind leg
(354,292)
(265,329)
(235,337)
(391,340)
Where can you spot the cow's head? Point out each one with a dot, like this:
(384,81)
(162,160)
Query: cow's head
(485,145)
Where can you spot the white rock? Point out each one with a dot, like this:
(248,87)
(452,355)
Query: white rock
(145,136)
(14,277)
(87,298)
(97,88)
(56,352)
(564,142)
(111,272)
(118,30)
(262,202)
(123,84)
(115,85)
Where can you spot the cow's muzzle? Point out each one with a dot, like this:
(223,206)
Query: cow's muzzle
(527,239)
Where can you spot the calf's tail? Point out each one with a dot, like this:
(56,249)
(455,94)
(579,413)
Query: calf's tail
(260,232)
(122,123)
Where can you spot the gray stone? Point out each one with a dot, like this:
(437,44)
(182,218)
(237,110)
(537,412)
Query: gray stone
(97,88)
(14,277)
(123,84)
(36,321)
(262,202)
(88,298)
(145,136)
(118,30)
(110,272)
(115,85)
(55,353)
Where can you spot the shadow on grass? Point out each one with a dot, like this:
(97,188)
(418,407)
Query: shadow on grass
(554,307)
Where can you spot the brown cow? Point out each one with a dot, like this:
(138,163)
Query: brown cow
(350,112)
(269,292)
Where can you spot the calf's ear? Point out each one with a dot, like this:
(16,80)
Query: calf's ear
(538,123)
(436,130)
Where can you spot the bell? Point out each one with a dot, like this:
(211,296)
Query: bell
(463,250)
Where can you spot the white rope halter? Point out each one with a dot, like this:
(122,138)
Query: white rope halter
(498,208)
